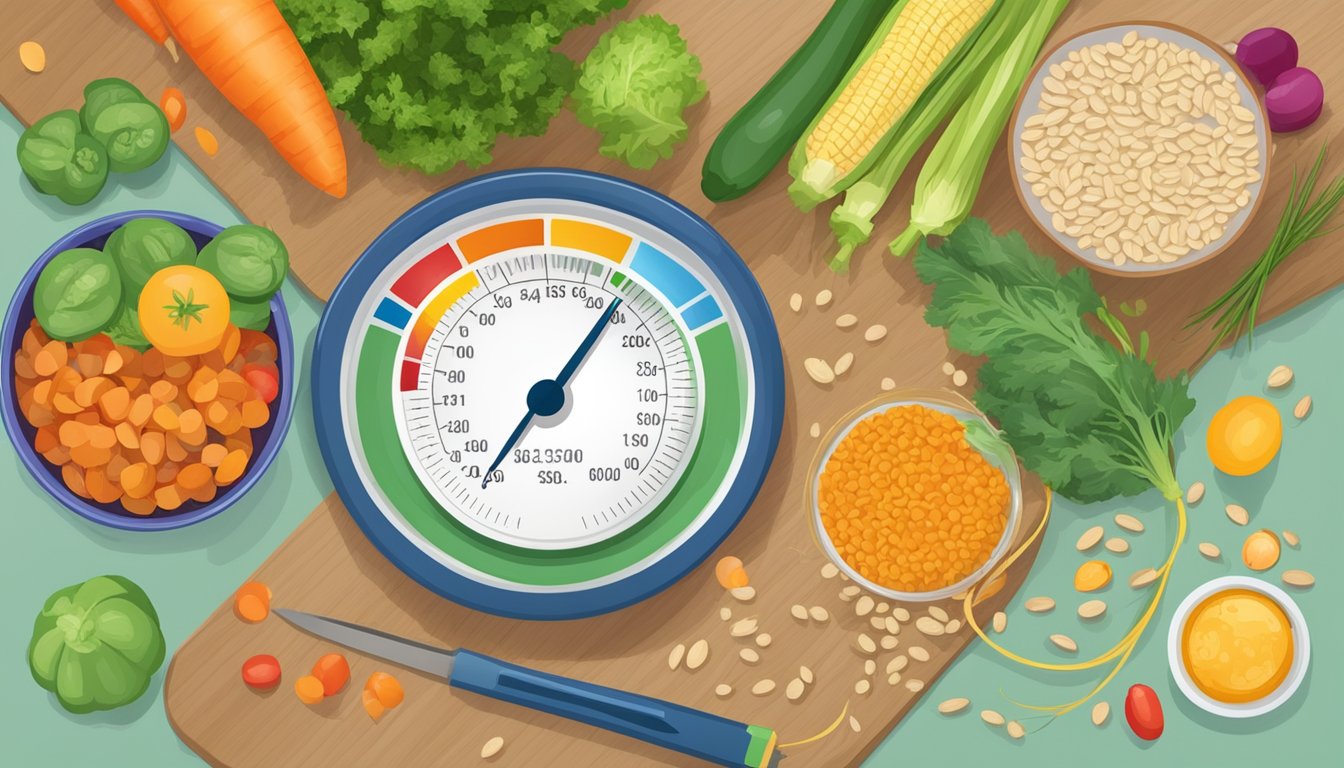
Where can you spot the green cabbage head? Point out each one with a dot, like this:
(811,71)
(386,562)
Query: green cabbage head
(96,644)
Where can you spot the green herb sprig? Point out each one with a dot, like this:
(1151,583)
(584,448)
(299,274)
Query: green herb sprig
(1304,218)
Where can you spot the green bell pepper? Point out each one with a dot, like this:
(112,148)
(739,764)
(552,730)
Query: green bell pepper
(96,644)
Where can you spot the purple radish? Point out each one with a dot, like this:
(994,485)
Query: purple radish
(1294,100)
(1267,53)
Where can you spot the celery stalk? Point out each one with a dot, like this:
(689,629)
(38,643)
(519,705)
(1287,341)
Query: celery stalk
(852,220)
(950,178)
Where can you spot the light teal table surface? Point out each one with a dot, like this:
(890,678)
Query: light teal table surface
(189,572)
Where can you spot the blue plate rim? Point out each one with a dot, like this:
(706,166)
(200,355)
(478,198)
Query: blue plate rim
(568,184)
(38,467)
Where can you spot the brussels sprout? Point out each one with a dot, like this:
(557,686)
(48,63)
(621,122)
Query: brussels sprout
(77,294)
(246,313)
(61,161)
(141,247)
(125,328)
(250,261)
(97,644)
(134,130)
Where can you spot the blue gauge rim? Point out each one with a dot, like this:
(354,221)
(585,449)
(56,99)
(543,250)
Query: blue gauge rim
(619,195)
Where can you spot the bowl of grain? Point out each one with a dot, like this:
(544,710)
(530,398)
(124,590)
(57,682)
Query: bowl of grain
(915,496)
(1140,148)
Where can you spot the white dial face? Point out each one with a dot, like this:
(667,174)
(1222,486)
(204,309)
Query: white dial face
(627,418)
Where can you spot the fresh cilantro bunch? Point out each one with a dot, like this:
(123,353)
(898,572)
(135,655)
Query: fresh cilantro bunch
(1091,420)
(633,88)
(432,83)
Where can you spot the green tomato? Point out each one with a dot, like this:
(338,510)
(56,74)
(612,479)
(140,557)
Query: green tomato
(141,247)
(250,261)
(96,644)
(61,161)
(255,315)
(134,130)
(77,294)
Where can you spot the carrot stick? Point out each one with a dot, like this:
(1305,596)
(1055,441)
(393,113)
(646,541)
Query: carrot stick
(247,51)
(147,18)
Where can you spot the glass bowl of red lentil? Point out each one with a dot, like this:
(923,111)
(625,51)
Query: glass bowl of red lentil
(915,496)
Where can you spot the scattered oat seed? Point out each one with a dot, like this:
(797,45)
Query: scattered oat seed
(953,626)
(1143,578)
(929,626)
(1100,712)
(1039,604)
(991,717)
(725,613)
(1091,609)
(1117,545)
(749,655)
(805,674)
(1064,642)
(763,640)
(914,686)
(763,687)
(829,571)
(959,378)
(875,333)
(818,613)
(743,594)
(1280,377)
(492,747)
(823,297)
(1302,408)
(888,642)
(854,724)
(918,653)
(862,687)
(1194,493)
(842,365)
(743,627)
(949,368)
(723,690)
(866,643)
(1298,578)
(674,658)
(1210,550)
(846,321)
(864,606)
(819,370)
(1129,523)
(796,302)
(1238,514)
(900,613)
(1016,730)
(897,664)
(794,690)
(1291,539)
(893,626)
(1000,621)
(953,706)
(938,613)
(878,623)
(869,667)
(798,612)
(887,384)
(850,592)
(697,654)
(1090,538)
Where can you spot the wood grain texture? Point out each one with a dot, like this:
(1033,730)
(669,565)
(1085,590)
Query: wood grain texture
(328,567)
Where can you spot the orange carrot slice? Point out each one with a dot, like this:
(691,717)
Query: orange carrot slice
(252,601)
(386,688)
(730,573)
(206,138)
(174,106)
(308,689)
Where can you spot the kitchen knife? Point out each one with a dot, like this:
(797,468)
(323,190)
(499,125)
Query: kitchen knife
(672,726)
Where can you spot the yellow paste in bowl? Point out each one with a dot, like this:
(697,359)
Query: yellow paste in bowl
(1237,646)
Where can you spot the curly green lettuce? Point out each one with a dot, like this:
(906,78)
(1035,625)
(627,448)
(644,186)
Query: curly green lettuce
(634,87)
(433,83)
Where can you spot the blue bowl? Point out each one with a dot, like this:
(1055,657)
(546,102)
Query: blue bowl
(21,433)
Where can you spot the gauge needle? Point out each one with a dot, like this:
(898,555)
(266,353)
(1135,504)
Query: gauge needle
(547,396)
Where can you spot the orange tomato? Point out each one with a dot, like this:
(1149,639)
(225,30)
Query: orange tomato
(1244,436)
(184,311)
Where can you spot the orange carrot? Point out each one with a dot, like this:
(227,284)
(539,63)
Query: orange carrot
(147,18)
(174,106)
(247,51)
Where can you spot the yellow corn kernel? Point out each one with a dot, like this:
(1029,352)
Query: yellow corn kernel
(924,33)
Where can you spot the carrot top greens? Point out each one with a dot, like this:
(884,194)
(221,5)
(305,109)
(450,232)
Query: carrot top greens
(1093,421)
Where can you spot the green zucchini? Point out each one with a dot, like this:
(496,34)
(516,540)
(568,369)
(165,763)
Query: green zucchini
(760,134)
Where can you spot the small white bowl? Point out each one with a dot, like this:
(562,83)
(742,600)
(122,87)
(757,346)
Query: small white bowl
(1297,672)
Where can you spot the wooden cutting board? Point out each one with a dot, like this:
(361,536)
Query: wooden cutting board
(328,567)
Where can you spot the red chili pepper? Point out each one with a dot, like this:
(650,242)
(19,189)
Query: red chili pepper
(1143,712)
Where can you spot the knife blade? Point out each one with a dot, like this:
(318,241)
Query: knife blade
(672,726)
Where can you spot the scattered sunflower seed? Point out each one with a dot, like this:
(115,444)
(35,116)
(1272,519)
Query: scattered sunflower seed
(1280,377)
(917,653)
(1298,578)
(1091,609)
(1016,730)
(674,658)
(818,613)
(1143,578)
(743,627)
(866,644)
(1291,539)
(959,378)
(798,612)
(763,687)
(846,321)
(1100,712)
(869,667)
(864,606)
(897,664)
(1238,514)
(854,724)
(805,674)
(949,368)
(1210,550)
(843,363)
(862,687)
(819,370)
(764,639)
(794,690)
(1090,538)
(823,297)
(814,430)
(1039,604)
(829,570)
(1194,493)
(492,747)
(749,655)
(887,384)
(991,717)
(723,689)
(875,333)
(938,613)
(1064,642)
(1302,408)
(796,302)
(952,626)
(929,626)
(1117,545)
(1129,523)
(697,654)
(725,613)
(743,594)
(953,706)
(1000,621)
(914,686)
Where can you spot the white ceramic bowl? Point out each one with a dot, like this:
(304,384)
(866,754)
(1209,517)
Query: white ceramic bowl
(1030,96)
(1297,672)
(963,410)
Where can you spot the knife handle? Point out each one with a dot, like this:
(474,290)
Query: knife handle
(682,729)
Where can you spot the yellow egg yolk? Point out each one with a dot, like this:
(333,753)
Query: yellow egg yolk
(1237,646)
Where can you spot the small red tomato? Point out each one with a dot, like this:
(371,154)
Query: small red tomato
(1143,712)
(261,671)
(334,672)
(263,379)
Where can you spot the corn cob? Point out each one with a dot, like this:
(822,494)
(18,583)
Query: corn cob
(910,52)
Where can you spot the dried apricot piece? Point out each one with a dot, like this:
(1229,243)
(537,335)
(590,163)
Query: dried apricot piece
(50,358)
(115,465)
(178,369)
(102,436)
(231,468)
(115,404)
(102,489)
(74,480)
(89,364)
(166,416)
(65,404)
(113,361)
(88,455)
(23,367)
(58,455)
(72,433)
(163,391)
(212,455)
(255,414)
(166,473)
(193,476)
(228,344)
(46,439)
(168,497)
(152,447)
(137,480)
(141,410)
(143,507)
(127,435)
(206,493)
(190,422)
(334,672)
